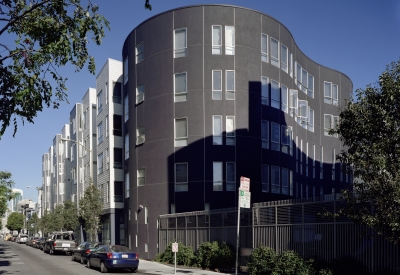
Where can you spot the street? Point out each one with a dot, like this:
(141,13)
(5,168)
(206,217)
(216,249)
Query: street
(24,260)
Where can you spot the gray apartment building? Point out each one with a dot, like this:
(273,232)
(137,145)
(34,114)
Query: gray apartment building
(216,92)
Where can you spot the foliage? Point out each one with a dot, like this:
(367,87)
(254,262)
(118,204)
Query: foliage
(262,261)
(33,223)
(90,210)
(290,263)
(70,215)
(15,221)
(6,185)
(44,224)
(57,218)
(185,255)
(215,255)
(369,128)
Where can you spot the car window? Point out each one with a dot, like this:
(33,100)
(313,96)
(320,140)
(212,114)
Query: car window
(119,248)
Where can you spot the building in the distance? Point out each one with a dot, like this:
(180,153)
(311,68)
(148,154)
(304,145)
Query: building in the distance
(215,92)
(18,195)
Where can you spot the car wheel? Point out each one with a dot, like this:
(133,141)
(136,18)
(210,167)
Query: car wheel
(88,264)
(103,268)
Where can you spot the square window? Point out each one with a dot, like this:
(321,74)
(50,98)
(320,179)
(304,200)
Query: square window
(180,87)
(216,40)
(181,134)
(217,85)
(180,46)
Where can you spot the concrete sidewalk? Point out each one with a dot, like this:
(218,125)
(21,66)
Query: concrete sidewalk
(148,267)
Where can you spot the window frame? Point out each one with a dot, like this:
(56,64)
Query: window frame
(180,94)
(177,139)
(277,188)
(126,69)
(265,89)
(230,184)
(141,178)
(275,103)
(230,92)
(183,183)
(139,93)
(127,185)
(139,53)
(275,60)
(284,66)
(216,91)
(126,146)
(275,138)
(310,88)
(126,108)
(99,102)
(100,160)
(218,183)
(217,139)
(232,45)
(264,55)
(100,132)
(328,96)
(140,135)
(265,138)
(230,135)
(265,178)
(185,52)
(216,46)
(326,129)
(284,99)
(335,98)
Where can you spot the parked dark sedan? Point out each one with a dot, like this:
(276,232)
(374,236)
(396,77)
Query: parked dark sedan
(39,243)
(108,257)
(83,250)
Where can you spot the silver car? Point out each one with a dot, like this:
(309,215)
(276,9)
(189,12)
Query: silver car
(22,238)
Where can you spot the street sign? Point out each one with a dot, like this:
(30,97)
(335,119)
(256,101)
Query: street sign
(244,184)
(174,247)
(244,199)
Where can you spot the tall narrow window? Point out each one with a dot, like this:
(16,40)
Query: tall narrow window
(275,180)
(275,94)
(328,119)
(230,130)
(230,176)
(180,87)
(335,94)
(310,91)
(328,92)
(313,162)
(139,52)
(285,181)
(99,102)
(293,101)
(139,93)
(298,75)
(217,130)
(180,46)
(181,177)
(217,176)
(321,163)
(284,58)
(265,178)
(284,99)
(230,85)
(126,70)
(335,124)
(264,91)
(217,85)
(229,40)
(304,76)
(275,136)
(311,120)
(306,159)
(264,134)
(106,92)
(286,139)
(99,163)
(126,108)
(274,52)
(141,177)
(264,47)
(140,135)
(290,182)
(117,123)
(181,134)
(333,163)
(291,65)
(216,40)
(100,133)
(127,185)
(106,121)
(127,146)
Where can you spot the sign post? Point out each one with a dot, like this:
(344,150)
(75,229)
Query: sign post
(244,201)
(175,249)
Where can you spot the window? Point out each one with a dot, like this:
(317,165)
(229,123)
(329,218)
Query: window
(310,91)
(146,218)
(274,52)
(117,93)
(126,70)
(127,185)
(180,47)
(84,119)
(230,85)
(73,149)
(291,65)
(85,146)
(293,101)
(118,158)
(100,133)
(217,85)
(333,163)
(335,125)
(99,102)
(284,58)
(275,136)
(264,134)
(284,99)
(335,93)
(107,153)
(230,176)
(140,137)
(264,47)
(328,92)
(139,52)
(303,109)
(106,122)
(275,94)
(265,178)
(106,92)
(141,177)
(139,93)
(73,125)
(286,139)
(290,182)
(180,87)
(217,130)
(100,164)
(298,75)
(285,181)
(304,76)
(275,180)
(126,108)
(229,40)
(328,123)
(127,146)
(321,163)
(217,176)
(264,91)
(230,130)
(118,191)
(181,134)
(181,177)
(216,40)
(310,120)
(117,123)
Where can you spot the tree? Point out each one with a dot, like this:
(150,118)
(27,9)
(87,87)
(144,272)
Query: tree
(70,216)
(369,127)
(6,185)
(44,223)
(33,223)
(48,34)
(56,221)
(15,221)
(90,210)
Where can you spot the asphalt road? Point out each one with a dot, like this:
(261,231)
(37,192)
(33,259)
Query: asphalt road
(24,260)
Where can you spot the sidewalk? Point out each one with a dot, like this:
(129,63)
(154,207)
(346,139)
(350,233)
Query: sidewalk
(148,267)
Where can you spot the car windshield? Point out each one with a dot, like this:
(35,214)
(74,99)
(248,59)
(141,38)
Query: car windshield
(23,236)
(119,248)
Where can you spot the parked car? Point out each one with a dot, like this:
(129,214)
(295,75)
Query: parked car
(60,242)
(22,238)
(113,257)
(83,250)
(39,243)
(33,241)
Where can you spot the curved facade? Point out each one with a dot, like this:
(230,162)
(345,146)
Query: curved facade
(216,92)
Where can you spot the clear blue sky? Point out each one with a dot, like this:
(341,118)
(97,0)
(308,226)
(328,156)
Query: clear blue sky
(355,37)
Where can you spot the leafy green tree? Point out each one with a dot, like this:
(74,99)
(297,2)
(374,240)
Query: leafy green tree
(90,210)
(369,127)
(6,194)
(33,224)
(70,215)
(57,218)
(48,34)
(44,223)
(15,221)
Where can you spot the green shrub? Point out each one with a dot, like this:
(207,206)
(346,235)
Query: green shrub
(184,256)
(226,256)
(215,255)
(290,263)
(261,261)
